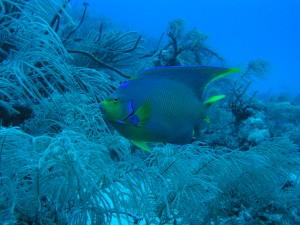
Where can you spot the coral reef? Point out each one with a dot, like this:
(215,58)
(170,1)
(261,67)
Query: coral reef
(61,164)
(69,179)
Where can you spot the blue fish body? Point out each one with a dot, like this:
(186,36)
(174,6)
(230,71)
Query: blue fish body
(163,104)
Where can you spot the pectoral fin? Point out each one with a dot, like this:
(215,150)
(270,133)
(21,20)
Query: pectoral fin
(141,116)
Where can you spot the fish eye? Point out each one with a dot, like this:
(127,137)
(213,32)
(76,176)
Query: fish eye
(116,99)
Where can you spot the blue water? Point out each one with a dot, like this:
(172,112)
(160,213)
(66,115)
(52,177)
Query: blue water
(239,30)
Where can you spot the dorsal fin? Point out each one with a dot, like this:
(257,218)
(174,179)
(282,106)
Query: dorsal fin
(195,77)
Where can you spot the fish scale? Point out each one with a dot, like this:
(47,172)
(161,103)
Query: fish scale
(175,102)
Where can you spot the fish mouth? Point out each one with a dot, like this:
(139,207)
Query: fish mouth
(102,111)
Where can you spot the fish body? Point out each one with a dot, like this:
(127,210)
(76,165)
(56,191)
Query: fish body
(162,104)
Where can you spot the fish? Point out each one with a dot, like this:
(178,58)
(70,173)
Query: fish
(162,104)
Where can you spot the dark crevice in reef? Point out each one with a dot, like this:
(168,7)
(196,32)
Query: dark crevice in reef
(8,119)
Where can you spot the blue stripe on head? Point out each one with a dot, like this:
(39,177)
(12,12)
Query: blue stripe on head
(127,110)
(130,107)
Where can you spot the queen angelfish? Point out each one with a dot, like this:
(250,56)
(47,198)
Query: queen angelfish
(162,104)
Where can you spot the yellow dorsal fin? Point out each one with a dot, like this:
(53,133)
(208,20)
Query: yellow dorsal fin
(142,145)
(196,78)
(221,75)
(229,71)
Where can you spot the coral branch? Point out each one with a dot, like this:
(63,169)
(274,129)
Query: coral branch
(56,18)
(134,47)
(98,61)
(78,26)
(100,33)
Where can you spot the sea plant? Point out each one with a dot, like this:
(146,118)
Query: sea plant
(68,178)
(38,63)
(185,48)
(240,99)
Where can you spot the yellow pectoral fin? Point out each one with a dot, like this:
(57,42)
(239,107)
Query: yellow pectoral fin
(143,113)
(142,145)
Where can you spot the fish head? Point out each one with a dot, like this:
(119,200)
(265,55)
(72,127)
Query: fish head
(111,108)
(117,106)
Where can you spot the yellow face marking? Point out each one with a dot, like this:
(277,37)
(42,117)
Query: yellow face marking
(112,109)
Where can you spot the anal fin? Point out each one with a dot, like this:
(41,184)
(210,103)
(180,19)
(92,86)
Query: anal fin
(142,145)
